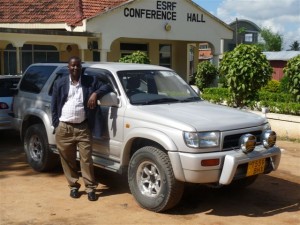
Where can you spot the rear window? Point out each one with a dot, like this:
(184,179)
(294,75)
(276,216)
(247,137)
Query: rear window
(35,78)
(6,86)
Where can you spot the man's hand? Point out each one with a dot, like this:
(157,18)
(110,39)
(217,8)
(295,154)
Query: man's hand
(92,102)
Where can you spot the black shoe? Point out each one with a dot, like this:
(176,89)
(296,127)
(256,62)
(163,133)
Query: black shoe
(92,196)
(74,193)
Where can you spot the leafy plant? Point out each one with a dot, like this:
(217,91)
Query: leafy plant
(272,86)
(246,70)
(283,86)
(273,41)
(136,57)
(206,74)
(292,71)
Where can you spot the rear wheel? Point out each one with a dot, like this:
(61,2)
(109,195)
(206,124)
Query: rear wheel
(39,155)
(152,181)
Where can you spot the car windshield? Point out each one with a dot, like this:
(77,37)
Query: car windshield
(145,87)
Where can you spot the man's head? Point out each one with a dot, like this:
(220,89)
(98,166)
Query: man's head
(74,65)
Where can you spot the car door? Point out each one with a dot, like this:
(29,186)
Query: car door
(107,133)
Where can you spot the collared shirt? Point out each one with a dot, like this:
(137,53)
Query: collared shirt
(73,109)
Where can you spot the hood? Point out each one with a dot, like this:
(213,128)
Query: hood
(198,116)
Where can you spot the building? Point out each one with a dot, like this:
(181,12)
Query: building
(170,32)
(278,61)
(245,32)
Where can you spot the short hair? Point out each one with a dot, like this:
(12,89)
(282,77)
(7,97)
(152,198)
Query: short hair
(74,58)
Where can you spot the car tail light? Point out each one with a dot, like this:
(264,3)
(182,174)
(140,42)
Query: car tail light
(3,105)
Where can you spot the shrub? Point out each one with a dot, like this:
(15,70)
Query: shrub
(292,71)
(136,57)
(206,74)
(283,85)
(272,86)
(246,70)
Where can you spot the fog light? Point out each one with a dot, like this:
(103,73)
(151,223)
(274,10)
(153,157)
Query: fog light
(268,138)
(247,143)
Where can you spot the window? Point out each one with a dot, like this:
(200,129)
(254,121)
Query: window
(6,86)
(165,54)
(204,47)
(37,54)
(249,38)
(129,48)
(35,78)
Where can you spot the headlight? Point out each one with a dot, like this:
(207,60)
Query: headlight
(202,139)
(267,126)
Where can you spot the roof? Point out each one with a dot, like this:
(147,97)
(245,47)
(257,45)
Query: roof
(282,55)
(71,12)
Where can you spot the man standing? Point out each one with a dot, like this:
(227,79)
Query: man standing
(74,106)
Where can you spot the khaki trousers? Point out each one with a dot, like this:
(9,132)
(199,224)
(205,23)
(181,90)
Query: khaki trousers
(69,138)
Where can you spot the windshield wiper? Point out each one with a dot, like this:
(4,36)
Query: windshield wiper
(191,99)
(161,100)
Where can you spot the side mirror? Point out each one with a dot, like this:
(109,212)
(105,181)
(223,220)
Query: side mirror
(196,89)
(110,99)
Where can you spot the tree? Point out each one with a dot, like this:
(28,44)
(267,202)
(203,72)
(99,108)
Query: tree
(136,57)
(295,46)
(292,71)
(206,74)
(246,70)
(273,41)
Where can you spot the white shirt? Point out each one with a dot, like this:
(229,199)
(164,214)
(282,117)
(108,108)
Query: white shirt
(73,109)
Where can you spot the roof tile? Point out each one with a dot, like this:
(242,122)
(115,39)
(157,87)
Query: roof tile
(53,11)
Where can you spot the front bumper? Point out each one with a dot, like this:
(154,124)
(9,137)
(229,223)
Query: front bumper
(187,166)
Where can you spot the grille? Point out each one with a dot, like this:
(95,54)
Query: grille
(232,141)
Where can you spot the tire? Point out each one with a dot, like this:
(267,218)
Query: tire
(38,153)
(151,180)
(242,183)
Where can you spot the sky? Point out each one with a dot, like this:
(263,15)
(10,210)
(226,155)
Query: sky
(280,16)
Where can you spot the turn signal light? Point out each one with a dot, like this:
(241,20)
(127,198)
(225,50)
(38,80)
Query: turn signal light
(210,162)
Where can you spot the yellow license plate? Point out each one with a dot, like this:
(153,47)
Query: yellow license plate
(256,167)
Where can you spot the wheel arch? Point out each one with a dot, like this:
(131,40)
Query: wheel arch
(141,137)
(36,116)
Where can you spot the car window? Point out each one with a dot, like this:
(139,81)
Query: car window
(103,75)
(64,71)
(35,78)
(6,86)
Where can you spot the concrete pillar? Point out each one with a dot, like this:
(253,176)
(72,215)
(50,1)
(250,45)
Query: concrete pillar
(103,55)
(18,58)
(82,55)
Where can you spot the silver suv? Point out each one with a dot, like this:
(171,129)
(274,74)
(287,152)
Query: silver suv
(154,128)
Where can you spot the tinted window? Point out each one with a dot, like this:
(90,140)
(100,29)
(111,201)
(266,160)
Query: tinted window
(64,71)
(6,86)
(35,78)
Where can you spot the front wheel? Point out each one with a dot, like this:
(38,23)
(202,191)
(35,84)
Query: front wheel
(39,155)
(152,181)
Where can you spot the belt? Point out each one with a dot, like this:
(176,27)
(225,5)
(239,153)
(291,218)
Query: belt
(74,124)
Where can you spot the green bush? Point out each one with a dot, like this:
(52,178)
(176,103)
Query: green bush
(292,71)
(275,97)
(272,86)
(246,70)
(136,57)
(205,75)
(276,102)
(283,86)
